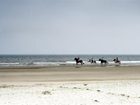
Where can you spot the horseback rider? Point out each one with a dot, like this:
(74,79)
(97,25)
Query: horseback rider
(116,60)
(91,61)
(78,60)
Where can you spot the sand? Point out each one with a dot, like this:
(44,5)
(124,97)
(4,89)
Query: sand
(70,86)
(69,74)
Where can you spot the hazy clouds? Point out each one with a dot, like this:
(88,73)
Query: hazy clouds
(69,26)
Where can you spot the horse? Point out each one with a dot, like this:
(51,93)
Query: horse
(117,61)
(91,61)
(78,61)
(103,61)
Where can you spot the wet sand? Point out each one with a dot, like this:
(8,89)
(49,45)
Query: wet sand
(79,73)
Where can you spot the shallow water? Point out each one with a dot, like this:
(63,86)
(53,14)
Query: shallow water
(44,60)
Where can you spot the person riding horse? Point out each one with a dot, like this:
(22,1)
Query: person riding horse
(91,61)
(78,60)
(117,60)
(103,61)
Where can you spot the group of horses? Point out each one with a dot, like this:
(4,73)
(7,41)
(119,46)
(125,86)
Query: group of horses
(103,61)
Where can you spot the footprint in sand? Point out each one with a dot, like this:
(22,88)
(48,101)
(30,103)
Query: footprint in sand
(62,87)
(76,88)
(122,94)
(85,84)
(87,89)
(98,90)
(46,92)
(111,93)
(96,100)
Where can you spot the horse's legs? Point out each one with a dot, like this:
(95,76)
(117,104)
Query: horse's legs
(81,63)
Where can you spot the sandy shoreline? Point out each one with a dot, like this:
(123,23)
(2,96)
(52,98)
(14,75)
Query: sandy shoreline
(70,74)
(70,86)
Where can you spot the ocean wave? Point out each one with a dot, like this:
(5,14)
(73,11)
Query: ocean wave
(4,63)
(64,63)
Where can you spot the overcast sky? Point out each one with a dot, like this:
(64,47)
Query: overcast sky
(69,26)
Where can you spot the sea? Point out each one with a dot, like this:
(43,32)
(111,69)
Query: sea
(58,60)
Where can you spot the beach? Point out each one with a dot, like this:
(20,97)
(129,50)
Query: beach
(70,85)
(69,52)
(69,73)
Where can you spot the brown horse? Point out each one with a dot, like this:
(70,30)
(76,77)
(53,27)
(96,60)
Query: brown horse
(78,61)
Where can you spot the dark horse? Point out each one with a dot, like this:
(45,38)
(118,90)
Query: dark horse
(117,61)
(78,61)
(103,61)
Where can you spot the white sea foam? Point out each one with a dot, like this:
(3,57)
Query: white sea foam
(65,63)
(47,63)
(3,63)
(109,63)
(130,62)
(9,63)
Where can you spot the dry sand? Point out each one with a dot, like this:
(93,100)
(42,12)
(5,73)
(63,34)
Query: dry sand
(70,86)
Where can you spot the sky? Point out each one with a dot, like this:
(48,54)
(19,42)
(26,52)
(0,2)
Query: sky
(69,26)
